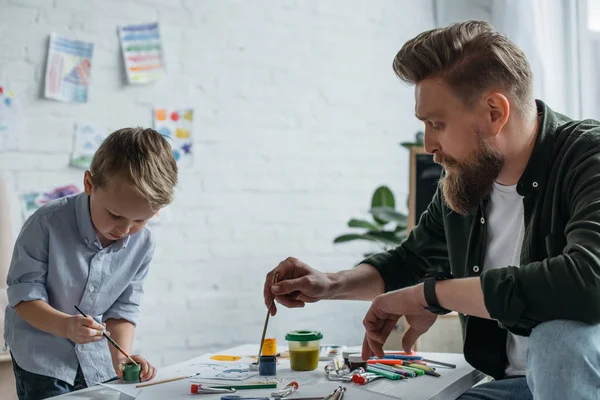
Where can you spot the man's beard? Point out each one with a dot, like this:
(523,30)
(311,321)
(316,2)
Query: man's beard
(467,182)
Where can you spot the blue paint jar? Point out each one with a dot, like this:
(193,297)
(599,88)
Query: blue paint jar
(267,366)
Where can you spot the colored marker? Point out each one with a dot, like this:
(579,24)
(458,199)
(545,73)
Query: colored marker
(408,372)
(388,375)
(427,371)
(401,357)
(385,362)
(443,364)
(392,369)
(416,370)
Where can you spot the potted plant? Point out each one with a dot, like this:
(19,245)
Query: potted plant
(386,226)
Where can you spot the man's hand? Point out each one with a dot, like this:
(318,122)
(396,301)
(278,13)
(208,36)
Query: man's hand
(148,371)
(384,314)
(81,329)
(297,284)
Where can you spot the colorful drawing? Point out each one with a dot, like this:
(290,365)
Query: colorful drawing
(68,69)
(86,140)
(142,52)
(10,123)
(34,200)
(176,126)
(225,371)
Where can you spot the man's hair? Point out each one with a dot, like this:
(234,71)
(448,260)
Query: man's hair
(470,57)
(140,157)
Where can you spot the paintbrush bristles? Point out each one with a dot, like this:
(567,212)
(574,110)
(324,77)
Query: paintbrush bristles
(262,339)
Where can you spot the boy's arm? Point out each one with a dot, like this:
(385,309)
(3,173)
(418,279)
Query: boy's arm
(26,291)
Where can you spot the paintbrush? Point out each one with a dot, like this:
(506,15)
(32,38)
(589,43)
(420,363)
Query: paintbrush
(178,378)
(264,332)
(110,340)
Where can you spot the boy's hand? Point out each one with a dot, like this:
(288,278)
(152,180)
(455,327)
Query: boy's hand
(82,330)
(148,371)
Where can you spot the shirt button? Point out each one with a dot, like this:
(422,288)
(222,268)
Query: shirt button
(92,289)
(86,241)
(476,269)
(482,220)
(534,184)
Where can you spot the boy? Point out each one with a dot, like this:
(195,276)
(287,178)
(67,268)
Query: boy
(91,250)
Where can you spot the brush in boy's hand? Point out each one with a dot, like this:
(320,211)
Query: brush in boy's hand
(110,340)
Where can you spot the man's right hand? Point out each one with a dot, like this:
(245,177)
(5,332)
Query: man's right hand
(297,284)
(82,330)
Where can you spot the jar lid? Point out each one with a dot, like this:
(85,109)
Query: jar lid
(345,354)
(303,336)
(355,358)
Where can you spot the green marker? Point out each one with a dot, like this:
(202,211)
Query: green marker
(417,370)
(388,375)
(266,385)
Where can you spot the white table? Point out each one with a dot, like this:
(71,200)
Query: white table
(450,385)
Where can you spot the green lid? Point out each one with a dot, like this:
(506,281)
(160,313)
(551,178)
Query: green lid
(303,336)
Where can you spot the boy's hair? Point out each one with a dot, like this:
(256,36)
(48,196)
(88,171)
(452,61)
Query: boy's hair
(141,157)
(471,57)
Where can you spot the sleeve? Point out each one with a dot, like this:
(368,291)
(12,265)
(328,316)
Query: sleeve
(564,285)
(127,306)
(425,250)
(26,279)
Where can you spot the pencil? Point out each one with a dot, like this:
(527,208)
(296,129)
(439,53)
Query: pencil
(110,340)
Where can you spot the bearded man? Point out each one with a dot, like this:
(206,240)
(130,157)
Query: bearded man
(511,239)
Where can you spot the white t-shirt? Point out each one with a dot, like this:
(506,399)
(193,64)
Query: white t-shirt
(505,230)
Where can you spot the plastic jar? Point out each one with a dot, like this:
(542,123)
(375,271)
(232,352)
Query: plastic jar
(355,361)
(304,349)
(269,347)
(131,372)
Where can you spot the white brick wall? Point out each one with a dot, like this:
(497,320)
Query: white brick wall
(298,118)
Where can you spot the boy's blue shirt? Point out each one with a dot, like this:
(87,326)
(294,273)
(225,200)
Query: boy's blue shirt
(58,259)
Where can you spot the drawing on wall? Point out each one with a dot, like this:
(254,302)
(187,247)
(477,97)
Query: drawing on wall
(33,200)
(10,120)
(86,140)
(68,69)
(176,125)
(142,52)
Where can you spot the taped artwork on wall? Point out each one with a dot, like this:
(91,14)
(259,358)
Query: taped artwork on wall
(68,69)
(176,125)
(11,122)
(31,201)
(142,52)
(86,140)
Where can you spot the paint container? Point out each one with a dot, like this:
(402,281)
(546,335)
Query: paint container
(304,348)
(267,366)
(131,372)
(345,355)
(355,361)
(269,347)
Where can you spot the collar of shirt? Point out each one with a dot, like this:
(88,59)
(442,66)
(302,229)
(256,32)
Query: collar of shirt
(86,227)
(534,176)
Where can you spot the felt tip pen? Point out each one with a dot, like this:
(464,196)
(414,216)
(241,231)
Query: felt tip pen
(416,370)
(386,374)
(401,357)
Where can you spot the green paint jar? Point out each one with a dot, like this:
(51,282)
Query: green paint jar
(304,349)
(131,372)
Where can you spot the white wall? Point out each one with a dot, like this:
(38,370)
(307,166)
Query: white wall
(298,119)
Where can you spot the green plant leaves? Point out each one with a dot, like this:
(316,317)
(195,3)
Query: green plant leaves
(388,214)
(383,197)
(362,223)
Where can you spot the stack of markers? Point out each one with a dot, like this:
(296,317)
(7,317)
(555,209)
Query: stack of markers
(396,366)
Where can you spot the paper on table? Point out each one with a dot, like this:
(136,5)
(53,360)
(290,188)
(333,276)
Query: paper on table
(126,388)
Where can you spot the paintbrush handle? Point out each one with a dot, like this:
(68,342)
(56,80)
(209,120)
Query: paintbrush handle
(161,381)
(262,339)
(110,340)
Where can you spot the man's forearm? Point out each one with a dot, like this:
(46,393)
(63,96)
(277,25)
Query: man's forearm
(462,295)
(122,332)
(42,316)
(361,283)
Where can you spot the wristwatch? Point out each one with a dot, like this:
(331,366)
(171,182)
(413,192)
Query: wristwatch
(429,291)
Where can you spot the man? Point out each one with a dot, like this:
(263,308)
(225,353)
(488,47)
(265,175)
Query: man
(511,239)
